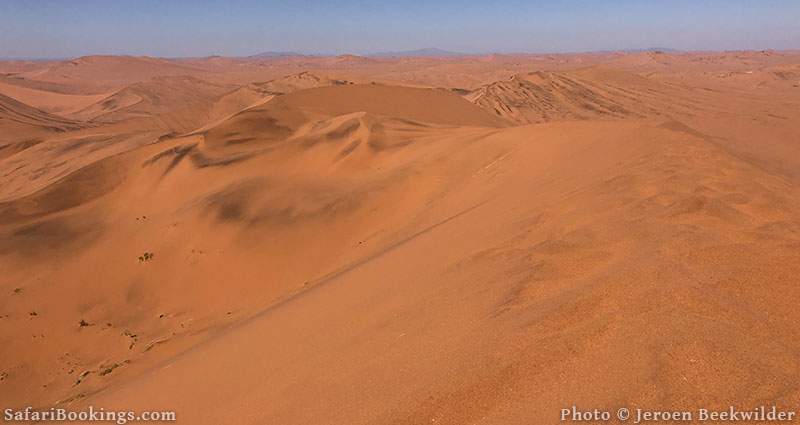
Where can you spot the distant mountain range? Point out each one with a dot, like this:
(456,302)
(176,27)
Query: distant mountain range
(650,49)
(276,54)
(427,52)
(431,52)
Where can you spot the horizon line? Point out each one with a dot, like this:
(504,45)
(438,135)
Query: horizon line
(397,53)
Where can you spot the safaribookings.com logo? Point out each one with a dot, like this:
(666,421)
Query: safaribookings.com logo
(89,415)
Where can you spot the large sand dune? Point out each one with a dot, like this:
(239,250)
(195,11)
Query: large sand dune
(21,123)
(401,240)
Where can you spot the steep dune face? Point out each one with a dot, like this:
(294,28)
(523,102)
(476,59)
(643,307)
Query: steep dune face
(176,103)
(290,116)
(19,121)
(309,251)
(255,94)
(19,113)
(48,101)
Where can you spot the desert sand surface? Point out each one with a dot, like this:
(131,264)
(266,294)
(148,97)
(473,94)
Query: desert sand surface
(400,240)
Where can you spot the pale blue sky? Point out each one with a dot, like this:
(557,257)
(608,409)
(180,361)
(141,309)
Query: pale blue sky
(54,28)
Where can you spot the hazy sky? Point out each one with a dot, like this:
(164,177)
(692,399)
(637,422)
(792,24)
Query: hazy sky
(62,28)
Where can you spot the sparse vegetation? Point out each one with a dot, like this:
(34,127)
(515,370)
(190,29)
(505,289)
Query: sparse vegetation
(108,369)
(133,337)
(147,256)
(82,376)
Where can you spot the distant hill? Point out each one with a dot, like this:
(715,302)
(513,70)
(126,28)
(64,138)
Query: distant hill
(275,54)
(101,73)
(427,52)
(649,49)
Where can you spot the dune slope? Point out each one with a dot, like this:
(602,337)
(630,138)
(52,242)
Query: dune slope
(21,124)
(515,284)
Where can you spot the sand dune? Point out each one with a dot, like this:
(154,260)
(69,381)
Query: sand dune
(20,123)
(299,81)
(426,105)
(92,73)
(177,103)
(530,300)
(587,93)
(243,241)
(49,101)
(545,96)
